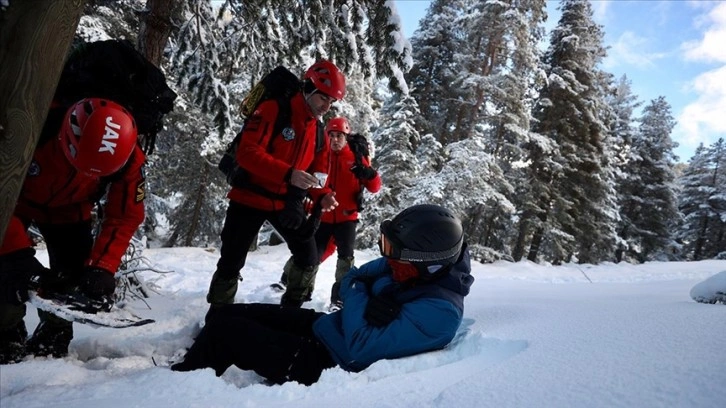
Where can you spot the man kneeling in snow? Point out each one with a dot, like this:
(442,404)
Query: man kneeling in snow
(409,301)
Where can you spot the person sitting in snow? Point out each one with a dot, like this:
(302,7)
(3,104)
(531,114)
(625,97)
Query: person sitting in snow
(409,301)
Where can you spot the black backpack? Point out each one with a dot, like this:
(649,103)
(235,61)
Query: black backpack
(114,70)
(358,144)
(281,85)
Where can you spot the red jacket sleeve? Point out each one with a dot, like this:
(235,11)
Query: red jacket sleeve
(16,237)
(122,214)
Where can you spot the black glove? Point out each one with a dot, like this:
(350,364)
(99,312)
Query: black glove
(14,288)
(98,285)
(358,145)
(363,172)
(381,310)
(312,223)
(19,272)
(293,215)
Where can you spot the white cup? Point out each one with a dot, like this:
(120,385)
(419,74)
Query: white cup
(322,177)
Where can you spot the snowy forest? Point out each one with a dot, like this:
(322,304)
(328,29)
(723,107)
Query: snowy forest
(544,155)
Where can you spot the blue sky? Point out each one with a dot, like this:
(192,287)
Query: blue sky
(672,48)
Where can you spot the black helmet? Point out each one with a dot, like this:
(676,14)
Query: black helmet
(429,236)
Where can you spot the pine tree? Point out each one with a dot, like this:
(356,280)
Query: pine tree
(573,194)
(498,60)
(474,65)
(435,45)
(622,130)
(622,134)
(396,162)
(430,155)
(702,202)
(472,185)
(506,71)
(187,182)
(648,201)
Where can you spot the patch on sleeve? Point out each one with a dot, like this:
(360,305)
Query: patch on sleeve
(140,191)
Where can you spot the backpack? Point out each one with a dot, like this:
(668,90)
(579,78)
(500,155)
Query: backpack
(358,144)
(115,70)
(281,85)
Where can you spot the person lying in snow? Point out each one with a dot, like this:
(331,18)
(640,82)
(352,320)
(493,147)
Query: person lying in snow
(409,301)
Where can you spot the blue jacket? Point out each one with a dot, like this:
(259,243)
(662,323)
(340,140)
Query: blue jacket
(430,315)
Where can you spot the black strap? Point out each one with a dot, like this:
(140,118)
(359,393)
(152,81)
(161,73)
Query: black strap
(319,136)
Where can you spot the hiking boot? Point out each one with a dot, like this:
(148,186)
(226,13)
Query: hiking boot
(341,268)
(51,338)
(292,303)
(222,290)
(12,344)
(300,285)
(281,286)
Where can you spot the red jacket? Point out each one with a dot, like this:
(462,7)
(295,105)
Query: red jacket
(268,164)
(55,193)
(347,186)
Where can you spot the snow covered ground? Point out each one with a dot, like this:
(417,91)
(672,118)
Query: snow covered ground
(534,336)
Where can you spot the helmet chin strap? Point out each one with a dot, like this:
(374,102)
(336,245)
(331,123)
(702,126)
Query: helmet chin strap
(307,97)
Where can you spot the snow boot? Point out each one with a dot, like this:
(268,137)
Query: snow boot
(51,338)
(341,268)
(12,344)
(300,285)
(281,286)
(222,290)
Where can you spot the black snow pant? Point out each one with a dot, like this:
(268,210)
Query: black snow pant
(342,232)
(68,248)
(274,341)
(241,226)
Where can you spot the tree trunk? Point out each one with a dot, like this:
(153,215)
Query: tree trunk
(698,247)
(537,238)
(534,246)
(156,27)
(35,36)
(486,71)
(198,203)
(171,242)
(522,232)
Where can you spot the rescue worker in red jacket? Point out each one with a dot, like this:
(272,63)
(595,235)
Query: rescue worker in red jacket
(348,176)
(93,153)
(280,175)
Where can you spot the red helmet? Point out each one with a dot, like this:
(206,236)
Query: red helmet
(339,124)
(98,136)
(327,78)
